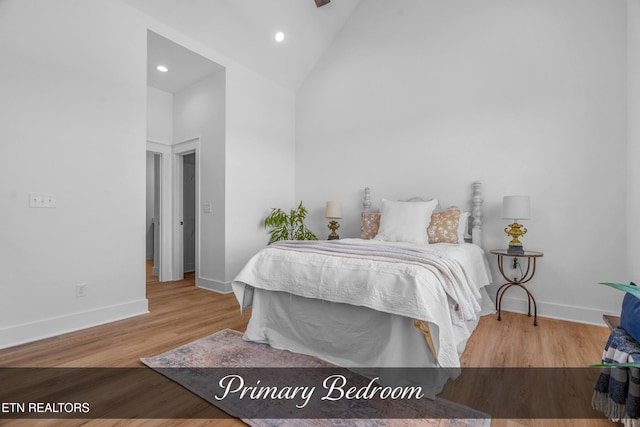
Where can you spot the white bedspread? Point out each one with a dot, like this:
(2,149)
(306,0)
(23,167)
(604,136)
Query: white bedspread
(382,276)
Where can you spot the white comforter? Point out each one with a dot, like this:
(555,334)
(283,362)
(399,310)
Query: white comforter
(383,281)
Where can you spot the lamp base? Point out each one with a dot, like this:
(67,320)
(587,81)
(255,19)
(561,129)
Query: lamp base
(515,249)
(333,226)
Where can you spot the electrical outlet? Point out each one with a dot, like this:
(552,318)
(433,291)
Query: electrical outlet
(40,200)
(81,290)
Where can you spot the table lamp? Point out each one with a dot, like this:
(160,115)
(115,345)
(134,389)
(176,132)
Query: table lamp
(516,208)
(333,211)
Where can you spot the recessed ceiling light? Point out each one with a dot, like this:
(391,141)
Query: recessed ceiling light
(279,36)
(162,68)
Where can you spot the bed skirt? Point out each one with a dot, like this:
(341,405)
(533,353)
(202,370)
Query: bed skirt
(354,337)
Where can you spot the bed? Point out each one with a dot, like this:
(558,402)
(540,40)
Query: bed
(407,294)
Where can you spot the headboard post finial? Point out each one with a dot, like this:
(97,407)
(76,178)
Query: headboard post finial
(476,214)
(366,204)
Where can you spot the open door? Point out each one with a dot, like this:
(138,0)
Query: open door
(185,212)
(160,186)
(189,212)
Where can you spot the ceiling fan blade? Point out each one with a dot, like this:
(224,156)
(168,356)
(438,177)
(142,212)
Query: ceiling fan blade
(322,2)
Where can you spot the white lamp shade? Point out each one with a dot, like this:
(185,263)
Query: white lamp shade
(516,207)
(333,210)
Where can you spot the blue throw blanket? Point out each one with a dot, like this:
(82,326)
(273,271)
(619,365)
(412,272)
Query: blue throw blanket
(617,391)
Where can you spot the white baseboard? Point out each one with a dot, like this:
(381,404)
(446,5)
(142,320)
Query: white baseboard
(555,311)
(213,285)
(28,332)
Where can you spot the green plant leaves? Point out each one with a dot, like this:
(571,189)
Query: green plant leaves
(633,290)
(288,227)
(616,365)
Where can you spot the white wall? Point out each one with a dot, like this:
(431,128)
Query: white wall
(246,127)
(159,116)
(199,112)
(260,161)
(422,97)
(73,124)
(633,159)
(160,131)
(405,87)
(159,140)
(259,148)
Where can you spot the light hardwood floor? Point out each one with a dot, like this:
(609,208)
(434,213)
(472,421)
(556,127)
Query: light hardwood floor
(181,313)
(515,342)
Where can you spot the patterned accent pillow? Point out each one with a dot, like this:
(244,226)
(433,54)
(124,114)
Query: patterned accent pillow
(439,230)
(444,226)
(369,225)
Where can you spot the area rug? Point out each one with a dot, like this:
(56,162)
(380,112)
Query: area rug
(264,387)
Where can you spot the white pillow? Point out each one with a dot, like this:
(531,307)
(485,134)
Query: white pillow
(405,221)
(463,225)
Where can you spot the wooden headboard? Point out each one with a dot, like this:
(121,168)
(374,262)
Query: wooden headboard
(474,235)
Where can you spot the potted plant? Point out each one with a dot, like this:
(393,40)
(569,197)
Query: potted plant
(288,226)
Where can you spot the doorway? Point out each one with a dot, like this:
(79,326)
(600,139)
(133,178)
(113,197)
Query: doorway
(189,231)
(183,105)
(173,183)
(186,199)
(153,198)
(159,213)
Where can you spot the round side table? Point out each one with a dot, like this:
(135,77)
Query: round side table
(531,257)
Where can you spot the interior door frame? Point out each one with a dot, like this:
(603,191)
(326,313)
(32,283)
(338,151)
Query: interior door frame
(163,220)
(179,150)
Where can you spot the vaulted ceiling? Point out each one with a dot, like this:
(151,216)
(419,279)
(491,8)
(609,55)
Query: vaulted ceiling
(244,30)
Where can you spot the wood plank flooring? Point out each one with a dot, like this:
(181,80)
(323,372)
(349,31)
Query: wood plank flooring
(515,342)
(181,313)
(151,278)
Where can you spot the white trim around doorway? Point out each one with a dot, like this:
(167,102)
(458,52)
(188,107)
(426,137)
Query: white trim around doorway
(164,220)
